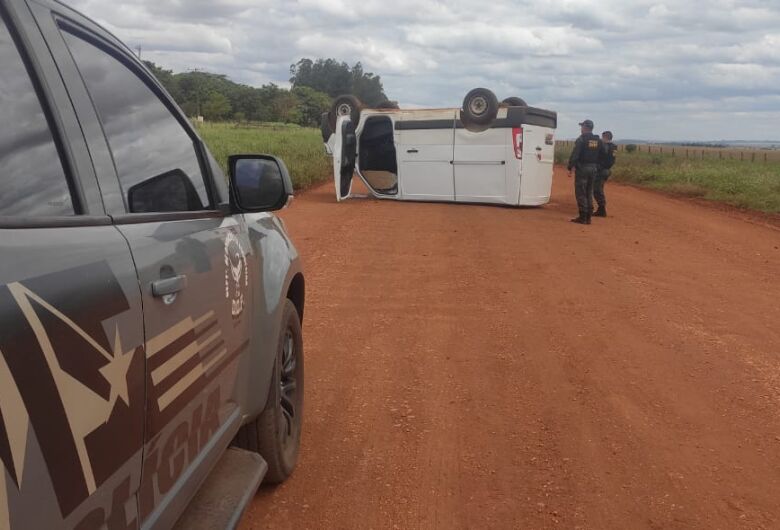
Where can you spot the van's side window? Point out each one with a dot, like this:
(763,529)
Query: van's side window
(154,156)
(32,179)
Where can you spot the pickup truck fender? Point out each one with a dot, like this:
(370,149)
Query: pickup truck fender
(280,277)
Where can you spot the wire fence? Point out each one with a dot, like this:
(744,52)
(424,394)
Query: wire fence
(697,153)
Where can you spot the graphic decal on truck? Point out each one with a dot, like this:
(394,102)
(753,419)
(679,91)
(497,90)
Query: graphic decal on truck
(64,381)
(72,399)
(236,274)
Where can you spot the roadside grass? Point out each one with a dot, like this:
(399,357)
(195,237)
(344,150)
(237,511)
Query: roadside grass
(300,148)
(753,185)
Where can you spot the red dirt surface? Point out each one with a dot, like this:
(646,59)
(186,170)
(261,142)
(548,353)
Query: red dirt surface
(475,366)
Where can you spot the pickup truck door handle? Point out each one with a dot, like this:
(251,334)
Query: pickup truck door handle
(412,151)
(169,286)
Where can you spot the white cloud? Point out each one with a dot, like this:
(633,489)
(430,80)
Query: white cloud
(645,68)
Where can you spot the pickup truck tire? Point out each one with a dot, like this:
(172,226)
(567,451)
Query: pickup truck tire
(480,107)
(345,106)
(276,432)
(515,101)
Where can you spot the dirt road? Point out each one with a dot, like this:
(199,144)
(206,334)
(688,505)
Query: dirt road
(473,366)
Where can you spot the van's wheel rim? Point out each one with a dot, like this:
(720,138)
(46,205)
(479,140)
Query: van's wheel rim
(478,106)
(288,385)
(344,109)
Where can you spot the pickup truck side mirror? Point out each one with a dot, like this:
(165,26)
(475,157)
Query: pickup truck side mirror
(259,183)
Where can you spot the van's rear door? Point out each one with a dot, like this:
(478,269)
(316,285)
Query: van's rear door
(344,156)
(537,169)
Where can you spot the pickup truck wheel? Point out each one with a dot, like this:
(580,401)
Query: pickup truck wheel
(480,107)
(515,101)
(276,433)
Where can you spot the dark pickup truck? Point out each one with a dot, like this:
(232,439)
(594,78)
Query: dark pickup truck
(151,355)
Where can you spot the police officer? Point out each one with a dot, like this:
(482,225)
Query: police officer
(585,159)
(606,161)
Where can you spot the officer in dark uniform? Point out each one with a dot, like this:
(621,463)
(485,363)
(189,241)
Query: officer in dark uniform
(606,161)
(585,159)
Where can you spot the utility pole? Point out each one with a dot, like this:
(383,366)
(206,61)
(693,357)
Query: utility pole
(139,52)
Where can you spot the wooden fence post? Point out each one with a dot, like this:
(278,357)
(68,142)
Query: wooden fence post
(686,154)
(753,156)
(742,155)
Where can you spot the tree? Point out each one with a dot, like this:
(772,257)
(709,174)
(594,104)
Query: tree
(216,97)
(216,106)
(285,106)
(166,78)
(367,87)
(336,78)
(311,105)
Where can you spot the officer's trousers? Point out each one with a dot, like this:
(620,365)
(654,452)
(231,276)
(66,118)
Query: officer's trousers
(584,176)
(598,187)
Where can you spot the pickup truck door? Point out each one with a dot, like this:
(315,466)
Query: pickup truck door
(71,324)
(344,157)
(195,264)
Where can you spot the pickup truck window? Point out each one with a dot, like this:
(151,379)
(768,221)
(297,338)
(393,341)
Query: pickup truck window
(155,158)
(32,179)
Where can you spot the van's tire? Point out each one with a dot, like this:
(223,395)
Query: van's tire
(276,434)
(343,106)
(325,127)
(515,101)
(480,107)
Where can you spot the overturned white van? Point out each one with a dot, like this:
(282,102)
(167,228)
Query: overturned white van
(484,152)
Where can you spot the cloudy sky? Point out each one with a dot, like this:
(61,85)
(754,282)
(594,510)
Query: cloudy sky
(698,70)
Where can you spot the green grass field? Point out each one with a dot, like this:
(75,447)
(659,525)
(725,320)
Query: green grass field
(300,148)
(743,184)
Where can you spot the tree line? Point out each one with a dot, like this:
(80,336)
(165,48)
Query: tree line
(314,84)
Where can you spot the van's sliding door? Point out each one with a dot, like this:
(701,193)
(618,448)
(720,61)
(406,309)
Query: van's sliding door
(425,155)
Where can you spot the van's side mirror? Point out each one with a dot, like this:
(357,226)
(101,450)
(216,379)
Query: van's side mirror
(259,183)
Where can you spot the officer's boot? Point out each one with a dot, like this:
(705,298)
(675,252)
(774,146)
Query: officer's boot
(600,212)
(582,219)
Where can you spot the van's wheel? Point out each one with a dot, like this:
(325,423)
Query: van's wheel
(345,106)
(480,107)
(515,101)
(276,432)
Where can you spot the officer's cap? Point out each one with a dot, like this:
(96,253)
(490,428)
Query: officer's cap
(587,123)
